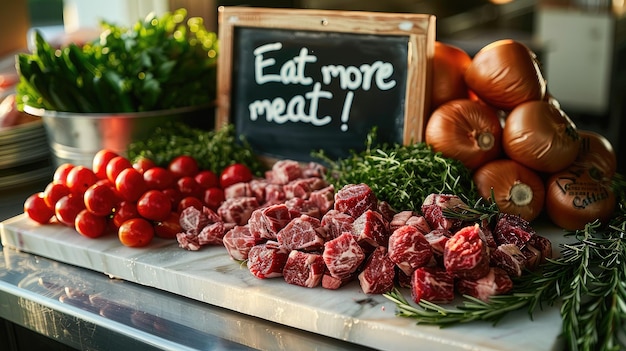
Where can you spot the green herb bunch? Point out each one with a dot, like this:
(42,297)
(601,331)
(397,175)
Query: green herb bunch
(401,175)
(159,63)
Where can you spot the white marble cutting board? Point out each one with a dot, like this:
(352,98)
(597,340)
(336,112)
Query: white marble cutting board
(210,276)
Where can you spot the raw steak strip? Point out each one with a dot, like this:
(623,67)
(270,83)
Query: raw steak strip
(304,269)
(302,233)
(238,241)
(371,229)
(509,258)
(496,282)
(266,222)
(409,249)
(343,256)
(465,254)
(267,260)
(355,199)
(378,274)
(433,284)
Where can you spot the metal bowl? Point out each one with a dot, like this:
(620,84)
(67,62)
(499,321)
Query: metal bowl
(76,137)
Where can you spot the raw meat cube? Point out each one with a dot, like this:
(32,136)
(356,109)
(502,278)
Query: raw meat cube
(432,284)
(355,199)
(409,249)
(343,256)
(432,209)
(496,282)
(304,269)
(238,241)
(509,258)
(512,229)
(267,260)
(465,254)
(266,222)
(284,171)
(302,233)
(336,223)
(371,229)
(324,198)
(378,275)
(238,210)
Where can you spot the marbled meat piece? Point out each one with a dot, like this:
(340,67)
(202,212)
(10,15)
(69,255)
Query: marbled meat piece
(432,284)
(355,199)
(303,187)
(302,233)
(495,282)
(192,220)
(433,210)
(336,223)
(324,198)
(509,258)
(238,241)
(512,229)
(465,254)
(409,249)
(212,234)
(542,244)
(377,277)
(238,210)
(299,206)
(437,239)
(304,269)
(284,171)
(332,283)
(241,189)
(266,222)
(343,256)
(371,229)
(386,210)
(267,260)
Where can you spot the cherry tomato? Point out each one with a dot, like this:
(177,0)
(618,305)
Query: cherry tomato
(235,173)
(130,184)
(36,208)
(53,192)
(124,211)
(67,208)
(189,187)
(213,197)
(183,166)
(116,166)
(143,164)
(158,178)
(89,224)
(206,179)
(136,232)
(100,199)
(100,161)
(168,228)
(188,202)
(60,174)
(79,179)
(154,205)
(174,195)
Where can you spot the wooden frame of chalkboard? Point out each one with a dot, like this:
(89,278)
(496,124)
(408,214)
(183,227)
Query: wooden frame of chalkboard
(293,81)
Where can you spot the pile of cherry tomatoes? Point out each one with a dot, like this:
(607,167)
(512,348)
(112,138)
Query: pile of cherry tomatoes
(139,200)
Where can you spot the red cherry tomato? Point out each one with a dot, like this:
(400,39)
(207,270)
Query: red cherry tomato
(207,179)
(174,195)
(116,166)
(67,208)
(100,199)
(79,179)
(158,178)
(143,164)
(130,184)
(100,161)
(89,224)
(183,166)
(154,205)
(189,187)
(136,232)
(235,173)
(124,211)
(60,174)
(213,197)
(188,202)
(53,192)
(168,228)
(36,208)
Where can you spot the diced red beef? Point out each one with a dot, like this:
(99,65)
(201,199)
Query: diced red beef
(324,198)
(342,256)
(274,194)
(303,187)
(313,169)
(409,249)
(495,282)
(355,199)
(377,277)
(238,241)
(465,254)
(542,244)
(212,234)
(385,209)
(241,189)
(257,187)
(332,283)
(512,229)
(302,233)
(403,280)
(371,229)
(437,239)
(284,171)
(299,206)
(188,241)
(267,260)
(266,222)
(238,210)
(399,219)
(304,269)
(336,223)
(489,239)
(509,258)
(192,220)
(533,257)
(433,210)
(432,284)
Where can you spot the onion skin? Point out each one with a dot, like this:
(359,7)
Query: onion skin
(541,137)
(574,198)
(449,66)
(465,130)
(517,190)
(597,155)
(505,74)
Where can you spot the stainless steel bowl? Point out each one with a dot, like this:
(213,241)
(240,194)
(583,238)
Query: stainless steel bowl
(76,137)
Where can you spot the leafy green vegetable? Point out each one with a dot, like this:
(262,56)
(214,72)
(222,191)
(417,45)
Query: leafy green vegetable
(402,175)
(214,149)
(159,63)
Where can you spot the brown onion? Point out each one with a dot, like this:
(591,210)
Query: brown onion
(449,66)
(505,74)
(465,130)
(597,155)
(540,136)
(574,198)
(517,190)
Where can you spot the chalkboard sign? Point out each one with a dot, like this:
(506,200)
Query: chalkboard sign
(297,81)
